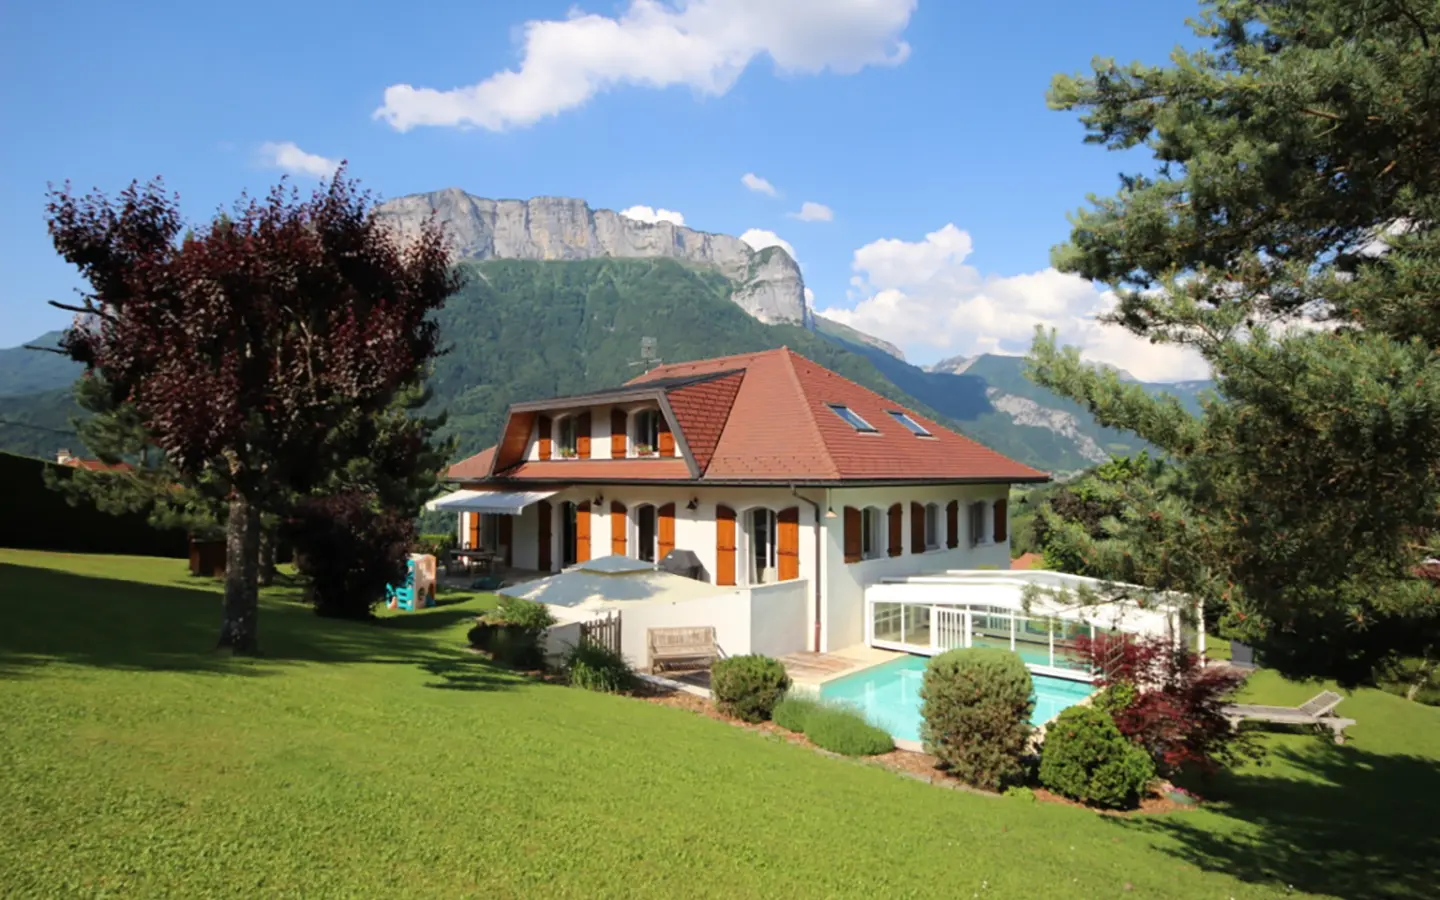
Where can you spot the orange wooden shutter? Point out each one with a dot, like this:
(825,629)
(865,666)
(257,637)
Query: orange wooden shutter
(917,528)
(543,511)
(507,537)
(724,545)
(787,540)
(582,532)
(854,523)
(618,526)
(582,436)
(617,433)
(665,437)
(543,426)
(1002,520)
(665,532)
(897,530)
(474,531)
(952,524)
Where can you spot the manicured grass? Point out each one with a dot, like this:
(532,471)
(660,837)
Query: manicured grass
(383,760)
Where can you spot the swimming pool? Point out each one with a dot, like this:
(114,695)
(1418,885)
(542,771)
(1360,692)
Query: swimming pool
(889,695)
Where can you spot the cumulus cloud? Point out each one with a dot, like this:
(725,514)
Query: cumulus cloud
(288,157)
(759,239)
(646,214)
(813,212)
(923,296)
(757,184)
(701,44)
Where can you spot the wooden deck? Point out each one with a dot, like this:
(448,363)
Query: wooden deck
(811,668)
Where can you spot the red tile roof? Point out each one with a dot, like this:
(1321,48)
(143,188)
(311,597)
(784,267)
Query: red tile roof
(766,417)
(1028,561)
(95,465)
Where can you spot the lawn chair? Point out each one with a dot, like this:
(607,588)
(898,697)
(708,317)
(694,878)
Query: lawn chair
(1316,711)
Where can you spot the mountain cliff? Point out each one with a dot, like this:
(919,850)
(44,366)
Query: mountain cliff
(767,283)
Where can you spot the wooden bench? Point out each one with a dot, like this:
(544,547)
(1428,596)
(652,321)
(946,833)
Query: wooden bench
(673,645)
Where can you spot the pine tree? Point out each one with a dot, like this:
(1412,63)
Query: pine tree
(1288,234)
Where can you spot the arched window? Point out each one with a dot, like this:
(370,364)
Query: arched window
(872,534)
(760,532)
(645,432)
(933,539)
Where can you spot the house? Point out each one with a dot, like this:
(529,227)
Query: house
(66,458)
(771,469)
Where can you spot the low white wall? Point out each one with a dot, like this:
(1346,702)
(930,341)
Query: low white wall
(780,618)
(729,613)
(558,639)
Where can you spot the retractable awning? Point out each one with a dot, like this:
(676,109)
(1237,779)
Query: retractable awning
(504,503)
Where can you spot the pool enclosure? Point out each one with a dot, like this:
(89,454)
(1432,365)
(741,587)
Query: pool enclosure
(930,614)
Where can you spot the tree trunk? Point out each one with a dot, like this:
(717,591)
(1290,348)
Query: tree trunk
(267,557)
(239,631)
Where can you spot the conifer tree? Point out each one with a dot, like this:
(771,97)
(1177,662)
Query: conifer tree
(1289,233)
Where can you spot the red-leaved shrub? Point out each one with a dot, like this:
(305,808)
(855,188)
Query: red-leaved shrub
(1163,699)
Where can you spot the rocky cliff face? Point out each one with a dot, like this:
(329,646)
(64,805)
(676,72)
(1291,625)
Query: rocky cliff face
(1024,411)
(767,284)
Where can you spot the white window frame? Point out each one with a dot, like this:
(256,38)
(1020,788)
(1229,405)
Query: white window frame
(872,529)
(562,425)
(753,574)
(637,438)
(933,527)
(977,513)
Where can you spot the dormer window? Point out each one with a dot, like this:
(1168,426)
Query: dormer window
(645,434)
(915,427)
(851,417)
(565,440)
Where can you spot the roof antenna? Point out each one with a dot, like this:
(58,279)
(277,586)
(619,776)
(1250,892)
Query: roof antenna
(648,357)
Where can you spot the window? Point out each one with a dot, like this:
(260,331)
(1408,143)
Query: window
(761,531)
(646,433)
(645,533)
(932,526)
(851,417)
(977,523)
(569,538)
(872,545)
(915,427)
(565,444)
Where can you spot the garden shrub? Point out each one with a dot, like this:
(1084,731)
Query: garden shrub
(1020,792)
(437,545)
(1086,758)
(842,730)
(975,710)
(595,667)
(511,632)
(350,549)
(748,687)
(793,711)
(1168,702)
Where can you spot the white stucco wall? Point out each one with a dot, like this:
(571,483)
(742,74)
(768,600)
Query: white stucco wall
(780,616)
(843,620)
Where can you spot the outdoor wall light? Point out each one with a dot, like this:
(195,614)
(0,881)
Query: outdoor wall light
(830,512)
(694,504)
(599,499)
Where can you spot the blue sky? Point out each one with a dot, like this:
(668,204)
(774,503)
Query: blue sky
(903,118)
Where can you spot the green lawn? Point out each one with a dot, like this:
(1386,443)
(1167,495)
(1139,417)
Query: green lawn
(381,760)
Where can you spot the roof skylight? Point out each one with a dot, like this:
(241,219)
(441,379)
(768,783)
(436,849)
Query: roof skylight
(915,427)
(851,417)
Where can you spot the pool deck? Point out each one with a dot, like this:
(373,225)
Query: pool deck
(810,669)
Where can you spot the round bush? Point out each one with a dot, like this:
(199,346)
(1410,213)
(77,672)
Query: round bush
(975,710)
(1086,758)
(597,668)
(792,712)
(844,731)
(748,687)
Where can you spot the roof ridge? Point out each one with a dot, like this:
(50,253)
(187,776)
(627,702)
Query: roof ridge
(789,356)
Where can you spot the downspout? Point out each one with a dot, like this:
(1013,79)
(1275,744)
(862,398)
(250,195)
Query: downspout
(818,518)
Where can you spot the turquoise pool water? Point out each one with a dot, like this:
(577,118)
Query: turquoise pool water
(889,695)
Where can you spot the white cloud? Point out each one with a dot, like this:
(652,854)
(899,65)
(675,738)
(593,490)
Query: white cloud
(701,44)
(759,239)
(646,214)
(923,296)
(813,212)
(757,184)
(290,158)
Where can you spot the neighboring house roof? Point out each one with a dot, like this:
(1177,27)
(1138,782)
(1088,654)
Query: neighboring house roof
(1028,561)
(763,417)
(95,465)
